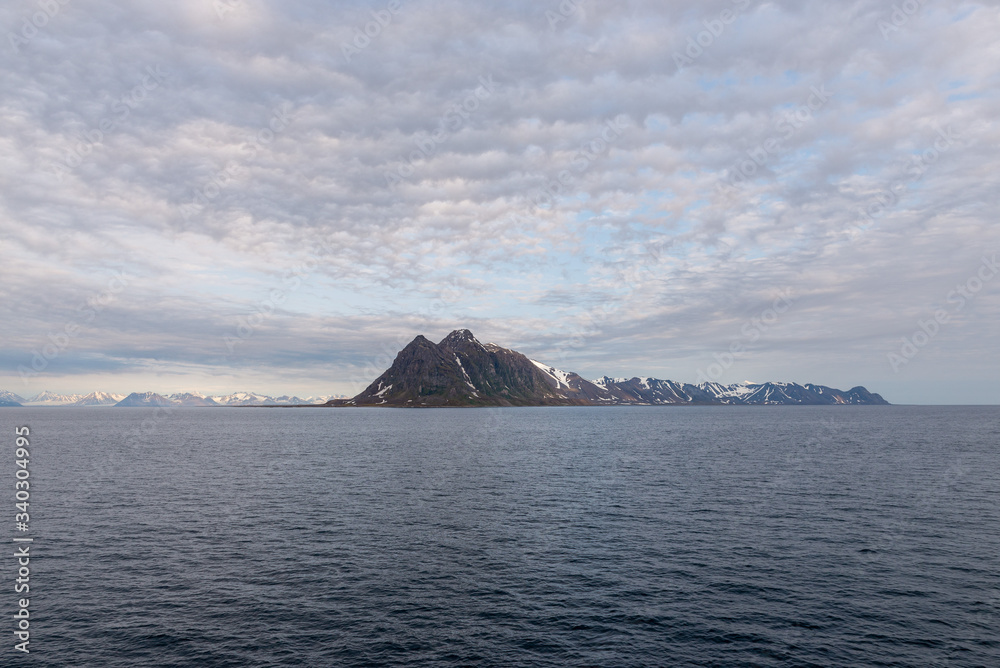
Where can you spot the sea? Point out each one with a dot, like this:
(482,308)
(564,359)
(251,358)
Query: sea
(571,536)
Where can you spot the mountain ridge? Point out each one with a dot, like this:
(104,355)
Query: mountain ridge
(462,372)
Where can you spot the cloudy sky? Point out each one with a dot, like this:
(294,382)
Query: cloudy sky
(276,196)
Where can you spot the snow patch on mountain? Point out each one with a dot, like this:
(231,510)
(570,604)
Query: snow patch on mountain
(561,377)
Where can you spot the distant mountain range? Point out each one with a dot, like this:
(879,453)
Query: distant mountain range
(47,398)
(461,371)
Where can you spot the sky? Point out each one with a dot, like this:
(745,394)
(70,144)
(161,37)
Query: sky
(227,195)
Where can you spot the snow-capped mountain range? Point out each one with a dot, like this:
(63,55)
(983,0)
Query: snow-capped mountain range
(654,391)
(461,371)
(47,398)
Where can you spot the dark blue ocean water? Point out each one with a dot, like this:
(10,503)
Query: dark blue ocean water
(714,536)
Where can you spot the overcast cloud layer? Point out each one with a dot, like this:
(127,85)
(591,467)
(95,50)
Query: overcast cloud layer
(276,196)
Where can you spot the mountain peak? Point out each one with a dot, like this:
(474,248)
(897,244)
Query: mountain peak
(460,336)
(419,341)
(10,399)
(460,371)
(48,398)
(144,399)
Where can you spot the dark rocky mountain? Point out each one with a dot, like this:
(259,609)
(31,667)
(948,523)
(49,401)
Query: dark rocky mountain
(461,371)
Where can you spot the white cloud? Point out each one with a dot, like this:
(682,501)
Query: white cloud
(463,222)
